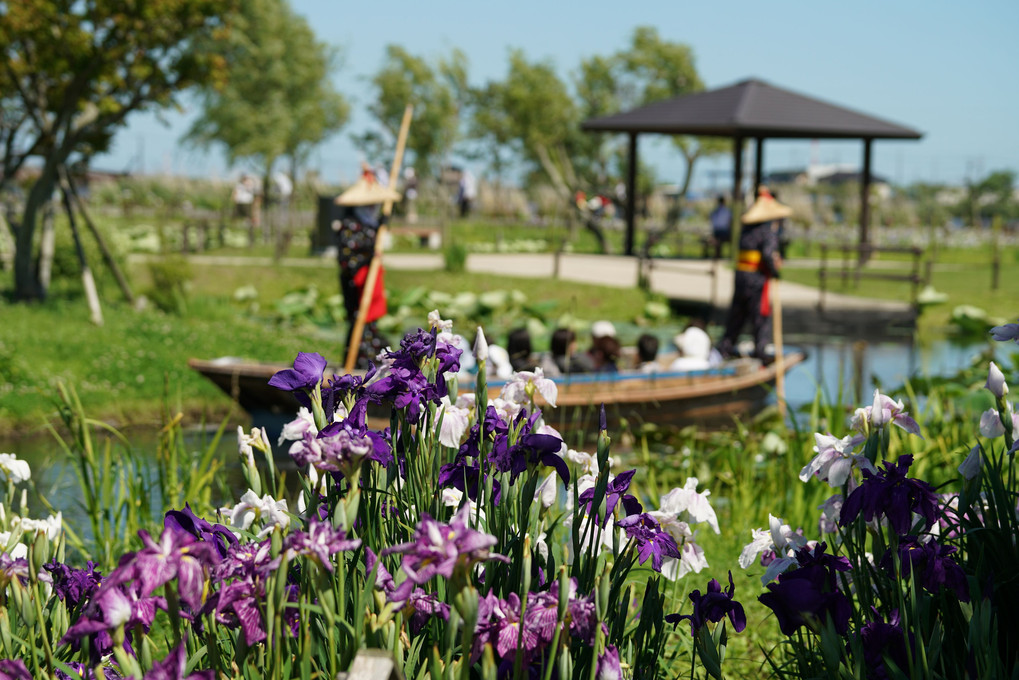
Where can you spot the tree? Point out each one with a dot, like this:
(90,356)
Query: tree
(993,196)
(651,70)
(438,94)
(74,69)
(275,99)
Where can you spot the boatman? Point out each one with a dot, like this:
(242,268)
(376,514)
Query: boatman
(355,235)
(758,262)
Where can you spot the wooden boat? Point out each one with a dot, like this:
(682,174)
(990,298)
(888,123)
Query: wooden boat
(710,397)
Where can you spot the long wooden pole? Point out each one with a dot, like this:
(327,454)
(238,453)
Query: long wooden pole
(91,294)
(776,310)
(111,262)
(376,263)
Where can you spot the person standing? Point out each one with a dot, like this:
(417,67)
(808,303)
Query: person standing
(758,263)
(355,234)
(467,193)
(721,225)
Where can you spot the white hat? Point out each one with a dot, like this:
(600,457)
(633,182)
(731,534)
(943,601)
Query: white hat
(765,209)
(693,342)
(601,329)
(367,191)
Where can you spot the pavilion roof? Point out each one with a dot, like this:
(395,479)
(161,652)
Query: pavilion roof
(751,108)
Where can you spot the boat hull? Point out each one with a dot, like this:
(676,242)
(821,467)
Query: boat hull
(706,398)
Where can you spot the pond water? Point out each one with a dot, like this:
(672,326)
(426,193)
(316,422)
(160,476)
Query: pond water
(833,364)
(850,369)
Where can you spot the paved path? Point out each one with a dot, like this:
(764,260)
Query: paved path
(697,281)
(703,282)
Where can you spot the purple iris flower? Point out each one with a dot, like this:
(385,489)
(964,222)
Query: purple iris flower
(14,669)
(1009,331)
(383,579)
(236,605)
(466,477)
(584,619)
(113,605)
(892,494)
(884,639)
(418,605)
(306,373)
(74,586)
(338,447)
(336,389)
(651,541)
(320,543)
(177,555)
(404,386)
(531,449)
(506,631)
(188,522)
(12,568)
(439,549)
(614,493)
(714,605)
(249,561)
(81,672)
(931,566)
(173,666)
(809,594)
(608,664)
(419,344)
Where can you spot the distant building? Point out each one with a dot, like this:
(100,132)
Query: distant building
(830,174)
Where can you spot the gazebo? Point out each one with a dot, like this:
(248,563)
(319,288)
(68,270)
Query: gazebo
(751,109)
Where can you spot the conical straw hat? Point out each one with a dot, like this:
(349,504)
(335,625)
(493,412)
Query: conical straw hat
(765,209)
(367,191)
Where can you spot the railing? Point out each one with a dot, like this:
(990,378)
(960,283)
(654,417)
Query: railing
(851,262)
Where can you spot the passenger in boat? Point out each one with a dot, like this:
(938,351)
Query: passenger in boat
(604,354)
(355,240)
(759,262)
(518,344)
(647,354)
(605,348)
(694,346)
(565,357)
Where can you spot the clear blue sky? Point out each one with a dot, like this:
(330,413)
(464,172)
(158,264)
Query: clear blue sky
(945,68)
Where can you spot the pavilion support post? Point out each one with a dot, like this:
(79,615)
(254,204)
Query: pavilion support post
(737,194)
(865,203)
(631,194)
(758,164)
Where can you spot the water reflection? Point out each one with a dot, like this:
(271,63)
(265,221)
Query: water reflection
(55,477)
(849,370)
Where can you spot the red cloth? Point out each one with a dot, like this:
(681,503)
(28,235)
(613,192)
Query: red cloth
(766,298)
(377,307)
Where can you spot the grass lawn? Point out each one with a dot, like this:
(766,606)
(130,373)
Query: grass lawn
(965,276)
(127,369)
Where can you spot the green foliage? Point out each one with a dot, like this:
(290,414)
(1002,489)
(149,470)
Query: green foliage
(993,196)
(307,306)
(455,258)
(76,70)
(436,93)
(275,98)
(171,279)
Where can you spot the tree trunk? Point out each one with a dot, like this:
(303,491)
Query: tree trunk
(6,245)
(26,280)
